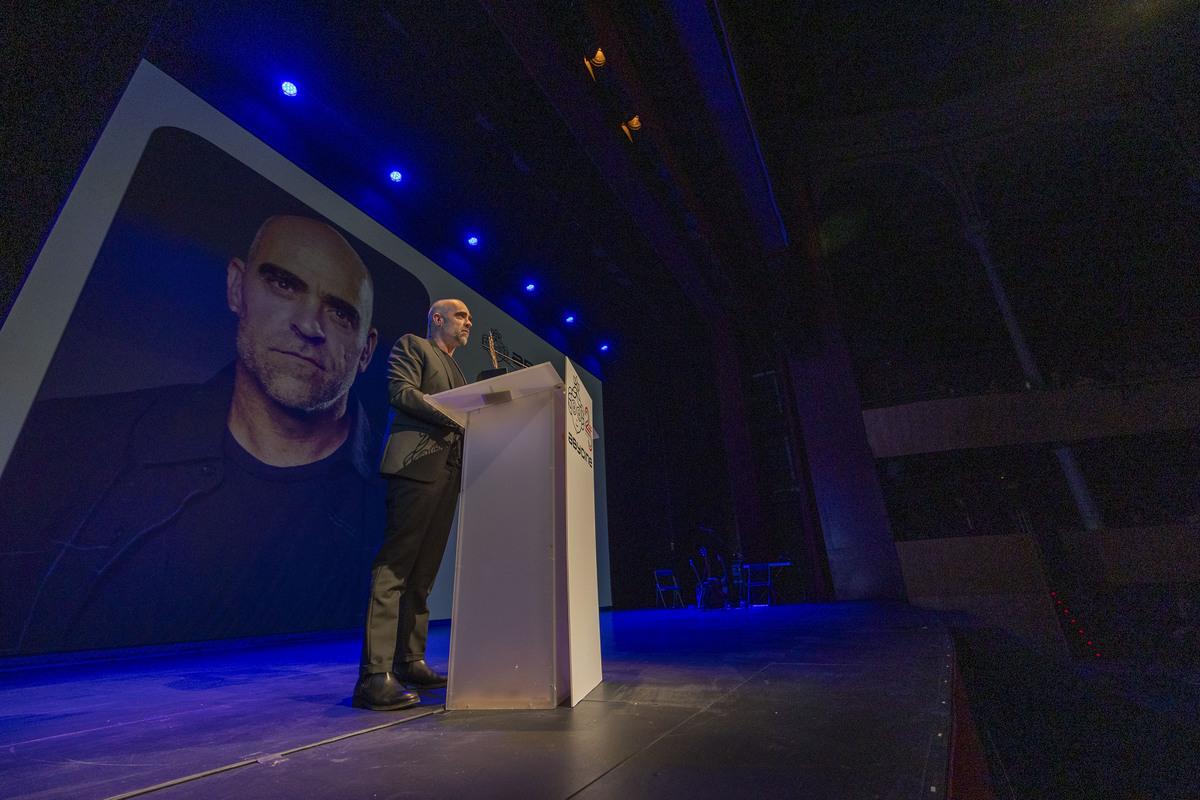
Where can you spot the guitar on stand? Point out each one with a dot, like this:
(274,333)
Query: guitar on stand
(732,593)
(731,578)
(710,593)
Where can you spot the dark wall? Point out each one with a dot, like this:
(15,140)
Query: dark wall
(65,66)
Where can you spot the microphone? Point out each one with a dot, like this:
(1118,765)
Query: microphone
(491,346)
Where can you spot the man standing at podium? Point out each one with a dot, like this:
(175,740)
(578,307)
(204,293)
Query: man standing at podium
(422,462)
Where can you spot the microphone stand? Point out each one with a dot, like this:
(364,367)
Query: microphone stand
(489,344)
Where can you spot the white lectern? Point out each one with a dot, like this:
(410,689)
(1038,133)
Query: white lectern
(525,627)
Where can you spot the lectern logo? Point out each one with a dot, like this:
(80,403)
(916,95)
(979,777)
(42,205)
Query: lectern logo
(581,421)
(581,415)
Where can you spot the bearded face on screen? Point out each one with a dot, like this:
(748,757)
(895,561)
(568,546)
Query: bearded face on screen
(303,299)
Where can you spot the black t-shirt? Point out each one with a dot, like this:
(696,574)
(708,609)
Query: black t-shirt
(273,545)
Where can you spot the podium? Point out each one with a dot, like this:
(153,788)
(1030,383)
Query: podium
(525,629)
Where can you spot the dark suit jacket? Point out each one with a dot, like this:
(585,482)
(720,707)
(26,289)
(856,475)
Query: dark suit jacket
(420,439)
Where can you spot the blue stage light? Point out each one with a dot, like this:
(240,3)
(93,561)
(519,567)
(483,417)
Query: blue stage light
(473,240)
(570,319)
(604,348)
(529,287)
(289,88)
(396,176)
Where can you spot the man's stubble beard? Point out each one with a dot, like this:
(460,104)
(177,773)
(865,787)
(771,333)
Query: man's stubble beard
(325,391)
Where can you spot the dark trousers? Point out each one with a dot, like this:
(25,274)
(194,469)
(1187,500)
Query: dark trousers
(419,516)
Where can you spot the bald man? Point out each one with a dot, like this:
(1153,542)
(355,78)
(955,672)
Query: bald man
(303,300)
(244,506)
(422,461)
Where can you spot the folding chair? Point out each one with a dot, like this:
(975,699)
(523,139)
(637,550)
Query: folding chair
(668,588)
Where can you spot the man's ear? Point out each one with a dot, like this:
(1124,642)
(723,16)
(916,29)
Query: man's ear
(235,285)
(364,358)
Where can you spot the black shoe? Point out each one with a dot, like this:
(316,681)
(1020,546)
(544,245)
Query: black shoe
(420,675)
(381,691)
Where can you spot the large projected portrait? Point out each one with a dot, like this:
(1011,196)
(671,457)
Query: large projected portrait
(200,460)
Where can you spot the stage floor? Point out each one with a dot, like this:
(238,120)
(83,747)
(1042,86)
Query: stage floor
(843,700)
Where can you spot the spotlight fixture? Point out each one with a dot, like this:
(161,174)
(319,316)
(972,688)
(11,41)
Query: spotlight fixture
(570,318)
(529,287)
(472,240)
(634,124)
(595,61)
(604,348)
(289,88)
(396,176)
